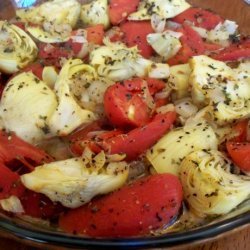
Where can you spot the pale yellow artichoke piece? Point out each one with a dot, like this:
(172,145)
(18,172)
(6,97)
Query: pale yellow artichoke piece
(48,27)
(26,106)
(167,154)
(179,80)
(210,187)
(68,114)
(74,182)
(17,49)
(95,12)
(163,8)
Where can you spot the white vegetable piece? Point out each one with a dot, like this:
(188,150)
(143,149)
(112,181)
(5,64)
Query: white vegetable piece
(95,12)
(167,154)
(165,44)
(163,8)
(51,28)
(26,106)
(224,90)
(210,187)
(76,181)
(17,49)
(68,114)
(117,62)
(12,204)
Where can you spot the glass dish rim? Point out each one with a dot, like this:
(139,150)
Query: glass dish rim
(61,239)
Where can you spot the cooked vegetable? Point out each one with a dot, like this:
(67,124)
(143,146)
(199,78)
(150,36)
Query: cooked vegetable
(167,154)
(240,154)
(221,88)
(210,187)
(30,93)
(49,76)
(165,9)
(68,114)
(120,9)
(147,204)
(117,62)
(17,49)
(135,34)
(179,80)
(199,17)
(95,12)
(166,44)
(51,28)
(76,181)
(12,204)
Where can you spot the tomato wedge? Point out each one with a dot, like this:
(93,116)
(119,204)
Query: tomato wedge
(135,34)
(199,17)
(240,154)
(147,204)
(138,140)
(125,104)
(120,9)
(36,69)
(234,52)
(95,34)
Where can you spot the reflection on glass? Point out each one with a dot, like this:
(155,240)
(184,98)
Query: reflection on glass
(24,3)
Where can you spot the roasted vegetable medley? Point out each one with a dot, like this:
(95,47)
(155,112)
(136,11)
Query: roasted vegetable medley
(120,118)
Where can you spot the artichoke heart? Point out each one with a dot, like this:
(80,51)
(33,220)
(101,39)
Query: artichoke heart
(163,8)
(117,62)
(76,181)
(51,28)
(95,13)
(68,114)
(210,187)
(167,154)
(225,91)
(17,49)
(165,44)
(26,106)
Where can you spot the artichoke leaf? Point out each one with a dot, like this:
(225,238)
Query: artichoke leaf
(163,8)
(37,103)
(210,187)
(17,49)
(74,182)
(167,154)
(68,114)
(95,13)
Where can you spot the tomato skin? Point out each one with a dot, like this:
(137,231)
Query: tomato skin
(138,140)
(240,154)
(135,33)
(120,9)
(241,129)
(136,209)
(125,107)
(95,34)
(36,69)
(234,52)
(199,17)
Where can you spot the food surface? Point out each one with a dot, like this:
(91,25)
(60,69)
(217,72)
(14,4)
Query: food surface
(123,118)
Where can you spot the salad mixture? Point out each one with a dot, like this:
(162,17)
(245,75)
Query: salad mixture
(122,117)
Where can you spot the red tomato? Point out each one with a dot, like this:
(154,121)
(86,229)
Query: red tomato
(9,183)
(138,140)
(155,85)
(234,52)
(120,9)
(20,25)
(36,69)
(135,34)
(240,154)
(14,149)
(38,205)
(147,204)
(192,45)
(126,107)
(211,47)
(199,17)
(95,34)
(241,130)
